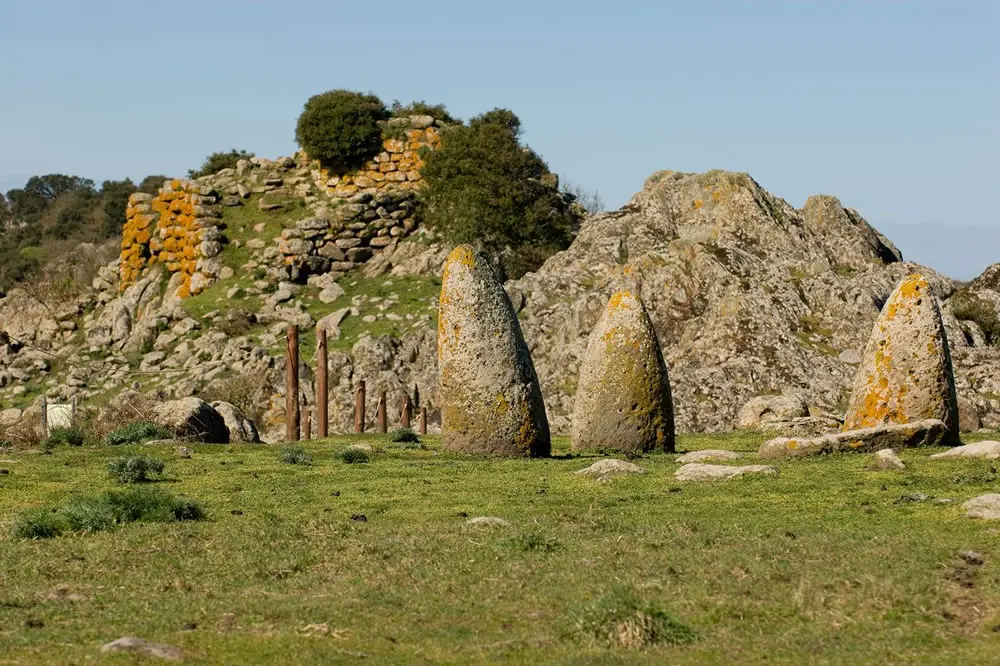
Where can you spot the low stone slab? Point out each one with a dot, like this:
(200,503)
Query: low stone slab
(708,454)
(929,432)
(487,521)
(700,472)
(988,450)
(887,459)
(605,470)
(984,506)
(133,645)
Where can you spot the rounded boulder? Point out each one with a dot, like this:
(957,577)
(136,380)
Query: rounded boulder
(906,373)
(623,400)
(490,398)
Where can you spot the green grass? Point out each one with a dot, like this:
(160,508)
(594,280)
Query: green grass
(824,564)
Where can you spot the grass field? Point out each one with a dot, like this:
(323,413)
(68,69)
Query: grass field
(828,563)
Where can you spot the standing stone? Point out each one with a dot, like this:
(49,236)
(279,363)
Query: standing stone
(623,398)
(906,373)
(490,398)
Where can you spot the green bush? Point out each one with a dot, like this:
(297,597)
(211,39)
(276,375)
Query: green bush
(95,513)
(135,468)
(422,108)
(216,162)
(63,437)
(353,456)
(136,432)
(622,619)
(403,435)
(967,306)
(484,188)
(340,128)
(295,455)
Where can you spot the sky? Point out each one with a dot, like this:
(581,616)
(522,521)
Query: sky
(891,106)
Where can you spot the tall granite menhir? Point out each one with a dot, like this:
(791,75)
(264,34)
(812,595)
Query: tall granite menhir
(623,400)
(489,394)
(906,373)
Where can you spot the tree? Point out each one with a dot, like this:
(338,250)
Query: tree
(51,186)
(484,188)
(5,213)
(590,200)
(114,203)
(422,108)
(216,162)
(340,128)
(152,184)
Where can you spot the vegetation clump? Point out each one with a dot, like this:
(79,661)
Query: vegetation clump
(63,437)
(353,456)
(622,619)
(968,306)
(422,108)
(341,129)
(403,435)
(216,162)
(135,468)
(136,432)
(295,455)
(95,513)
(484,188)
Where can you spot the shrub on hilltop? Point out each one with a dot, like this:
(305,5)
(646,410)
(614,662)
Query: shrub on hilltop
(216,162)
(485,188)
(340,128)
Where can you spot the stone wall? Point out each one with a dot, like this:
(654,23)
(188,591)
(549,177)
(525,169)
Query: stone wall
(352,216)
(180,228)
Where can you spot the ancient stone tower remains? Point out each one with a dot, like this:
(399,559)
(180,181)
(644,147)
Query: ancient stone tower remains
(623,400)
(354,215)
(490,398)
(906,372)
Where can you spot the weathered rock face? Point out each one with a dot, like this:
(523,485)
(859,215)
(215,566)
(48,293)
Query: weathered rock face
(241,429)
(194,419)
(623,397)
(906,374)
(767,409)
(489,394)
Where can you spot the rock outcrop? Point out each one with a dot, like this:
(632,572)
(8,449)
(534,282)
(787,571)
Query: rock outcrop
(241,429)
(930,432)
(488,391)
(192,419)
(906,374)
(623,397)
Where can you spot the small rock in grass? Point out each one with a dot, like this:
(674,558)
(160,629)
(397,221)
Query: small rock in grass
(708,454)
(988,450)
(367,448)
(972,557)
(605,470)
(183,452)
(487,521)
(133,645)
(887,459)
(700,472)
(915,497)
(985,506)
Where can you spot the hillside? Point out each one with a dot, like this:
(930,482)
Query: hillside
(749,295)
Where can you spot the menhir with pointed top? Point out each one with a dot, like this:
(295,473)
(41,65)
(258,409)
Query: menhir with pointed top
(623,400)
(906,373)
(491,401)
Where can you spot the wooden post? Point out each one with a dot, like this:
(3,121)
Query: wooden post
(359,407)
(423,420)
(45,416)
(72,412)
(322,392)
(380,425)
(292,384)
(307,423)
(404,413)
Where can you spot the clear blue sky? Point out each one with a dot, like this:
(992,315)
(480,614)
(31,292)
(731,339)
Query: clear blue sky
(890,105)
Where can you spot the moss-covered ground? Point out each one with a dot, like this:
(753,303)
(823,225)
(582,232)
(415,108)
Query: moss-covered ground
(827,563)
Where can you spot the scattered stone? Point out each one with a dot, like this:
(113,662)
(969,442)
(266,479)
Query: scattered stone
(367,448)
(605,470)
(896,436)
(987,450)
(331,322)
(915,497)
(241,428)
(906,374)
(887,459)
(708,454)
(487,521)
(973,558)
(489,394)
(194,419)
(133,645)
(331,293)
(984,506)
(701,472)
(623,400)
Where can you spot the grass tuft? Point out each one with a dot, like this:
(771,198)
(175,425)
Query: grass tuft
(295,455)
(135,468)
(136,433)
(623,619)
(403,436)
(353,456)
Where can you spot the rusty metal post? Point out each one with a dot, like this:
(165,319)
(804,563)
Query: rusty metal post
(381,423)
(359,407)
(423,420)
(292,384)
(322,392)
(404,412)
